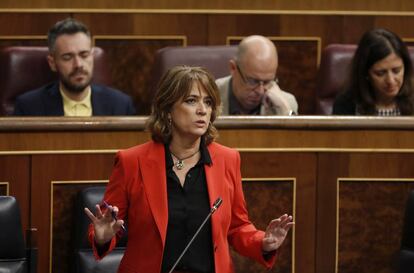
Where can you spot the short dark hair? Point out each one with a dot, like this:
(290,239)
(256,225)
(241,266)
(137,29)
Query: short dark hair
(66,26)
(174,86)
(374,46)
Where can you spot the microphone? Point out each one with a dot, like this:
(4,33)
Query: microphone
(213,209)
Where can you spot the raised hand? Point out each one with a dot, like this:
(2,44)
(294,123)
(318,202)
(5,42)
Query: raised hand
(276,232)
(104,223)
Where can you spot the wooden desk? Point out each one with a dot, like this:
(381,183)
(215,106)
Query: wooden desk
(345,180)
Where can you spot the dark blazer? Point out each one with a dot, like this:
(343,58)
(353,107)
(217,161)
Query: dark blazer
(138,187)
(47,101)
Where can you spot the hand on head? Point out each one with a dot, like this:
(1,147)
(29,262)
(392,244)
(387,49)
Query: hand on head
(273,98)
(276,232)
(105,225)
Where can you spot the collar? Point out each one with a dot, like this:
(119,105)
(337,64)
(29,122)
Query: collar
(234,105)
(204,155)
(71,103)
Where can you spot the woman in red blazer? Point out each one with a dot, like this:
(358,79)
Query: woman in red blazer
(164,189)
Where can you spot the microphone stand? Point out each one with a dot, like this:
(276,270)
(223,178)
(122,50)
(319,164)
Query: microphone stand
(215,206)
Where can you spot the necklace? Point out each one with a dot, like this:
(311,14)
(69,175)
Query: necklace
(180,161)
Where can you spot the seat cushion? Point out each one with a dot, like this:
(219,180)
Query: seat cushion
(12,244)
(406,261)
(13,267)
(109,264)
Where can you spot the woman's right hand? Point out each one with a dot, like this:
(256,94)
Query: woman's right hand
(104,224)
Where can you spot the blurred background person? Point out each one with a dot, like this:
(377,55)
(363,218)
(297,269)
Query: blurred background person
(165,188)
(380,79)
(71,57)
(252,87)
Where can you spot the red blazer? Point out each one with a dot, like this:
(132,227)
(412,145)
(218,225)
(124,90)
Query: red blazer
(138,188)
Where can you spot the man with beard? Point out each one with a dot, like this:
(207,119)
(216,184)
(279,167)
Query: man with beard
(252,87)
(71,57)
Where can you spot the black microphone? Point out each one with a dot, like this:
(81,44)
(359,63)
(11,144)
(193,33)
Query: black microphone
(215,206)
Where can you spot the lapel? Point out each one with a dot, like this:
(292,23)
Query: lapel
(155,180)
(53,101)
(99,104)
(214,177)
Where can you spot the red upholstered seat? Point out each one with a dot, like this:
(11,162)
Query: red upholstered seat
(26,68)
(334,67)
(214,58)
(16,255)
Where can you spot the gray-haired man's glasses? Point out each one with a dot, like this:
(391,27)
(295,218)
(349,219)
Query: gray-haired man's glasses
(253,83)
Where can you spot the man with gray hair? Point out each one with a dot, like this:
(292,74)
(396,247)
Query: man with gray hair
(71,57)
(252,87)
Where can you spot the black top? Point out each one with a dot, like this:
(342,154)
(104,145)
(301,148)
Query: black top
(344,105)
(187,208)
(234,105)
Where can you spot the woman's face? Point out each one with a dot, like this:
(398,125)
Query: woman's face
(386,77)
(191,115)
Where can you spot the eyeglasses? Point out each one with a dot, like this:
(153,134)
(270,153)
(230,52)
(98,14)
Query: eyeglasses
(253,83)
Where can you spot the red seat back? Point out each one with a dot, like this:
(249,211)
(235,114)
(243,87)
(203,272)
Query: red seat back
(25,68)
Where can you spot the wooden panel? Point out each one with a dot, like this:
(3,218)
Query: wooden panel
(72,141)
(331,166)
(354,197)
(268,5)
(329,28)
(223,26)
(302,168)
(192,26)
(298,62)
(267,199)
(299,133)
(212,28)
(371,213)
(131,59)
(21,24)
(70,167)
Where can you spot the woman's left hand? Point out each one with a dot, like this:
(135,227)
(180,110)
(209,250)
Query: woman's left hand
(276,232)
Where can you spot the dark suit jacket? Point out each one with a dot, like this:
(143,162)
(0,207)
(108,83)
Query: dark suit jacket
(47,101)
(138,187)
